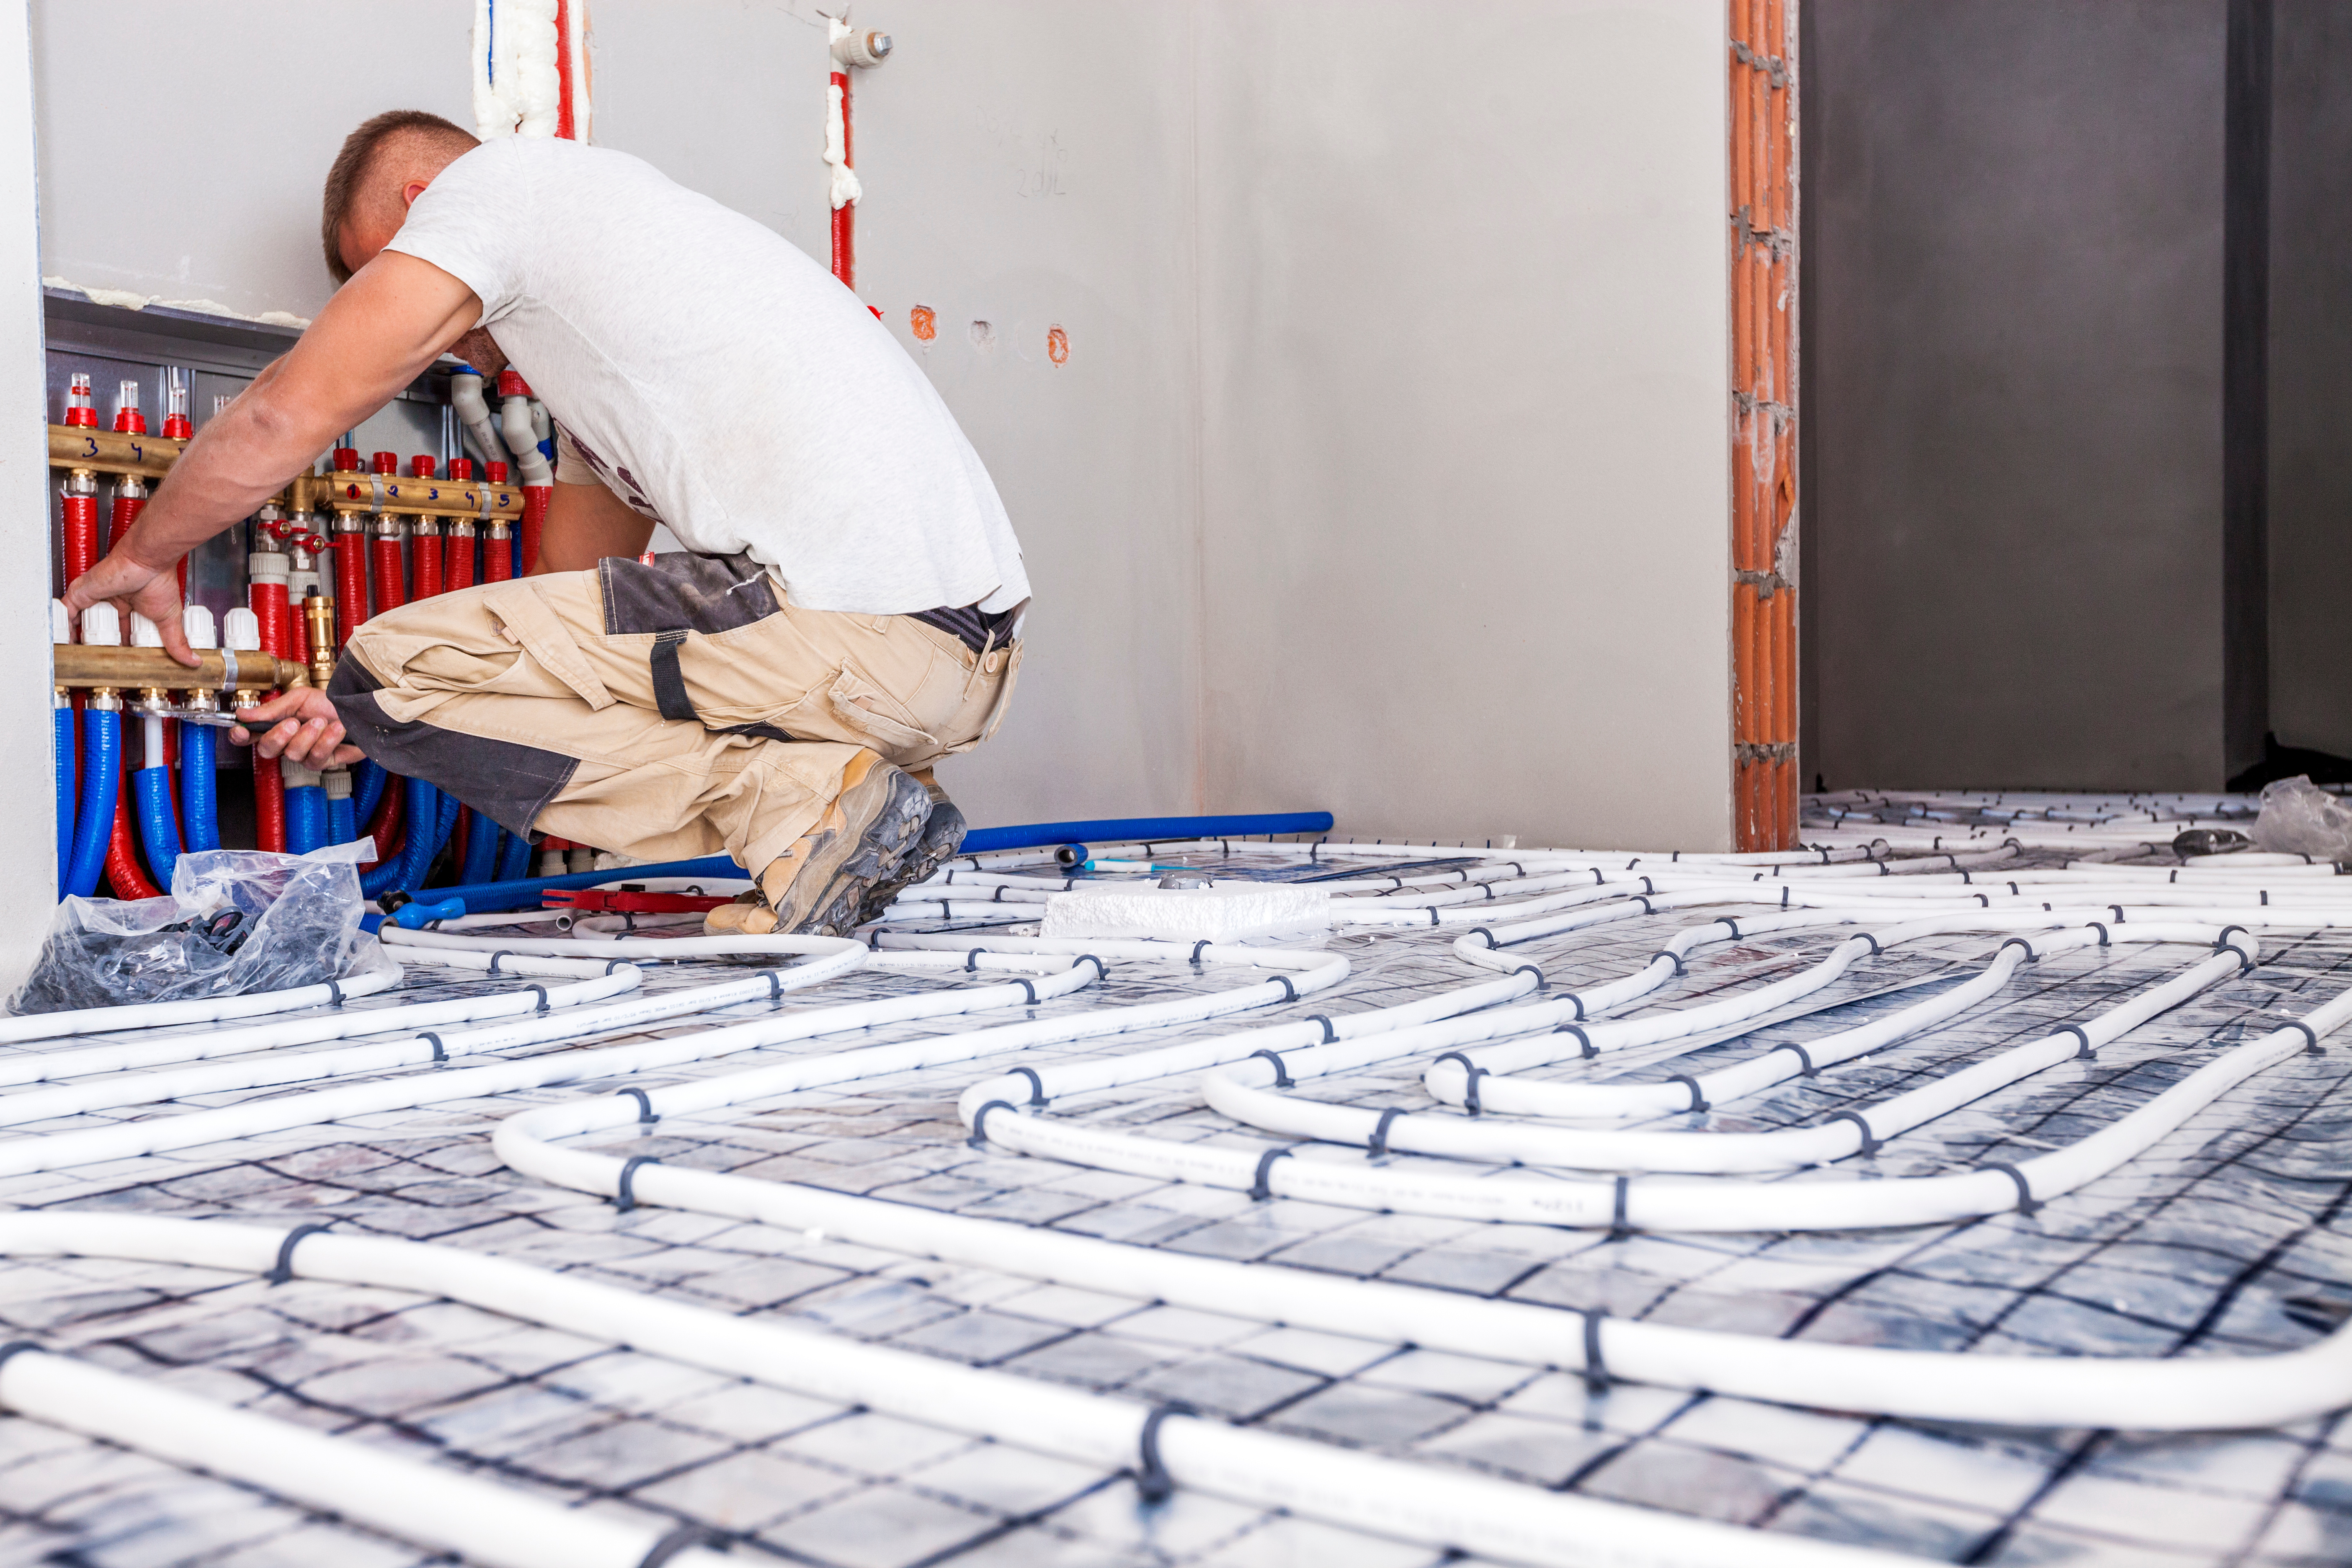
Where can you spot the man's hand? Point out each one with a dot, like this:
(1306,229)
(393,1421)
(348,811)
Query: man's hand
(303,727)
(132,585)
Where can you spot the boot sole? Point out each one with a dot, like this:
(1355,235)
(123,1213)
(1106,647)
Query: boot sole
(943,835)
(885,814)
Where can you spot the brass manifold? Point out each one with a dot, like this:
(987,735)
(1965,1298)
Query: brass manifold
(150,456)
(151,669)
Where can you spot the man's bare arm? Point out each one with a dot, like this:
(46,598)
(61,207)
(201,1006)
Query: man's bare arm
(584,524)
(378,334)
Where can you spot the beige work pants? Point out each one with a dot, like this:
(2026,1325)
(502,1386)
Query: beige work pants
(664,711)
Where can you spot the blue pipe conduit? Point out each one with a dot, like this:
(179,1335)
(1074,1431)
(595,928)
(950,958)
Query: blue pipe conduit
(367,791)
(199,787)
(514,857)
(481,851)
(64,756)
(523,894)
(159,831)
(101,780)
(306,820)
(342,819)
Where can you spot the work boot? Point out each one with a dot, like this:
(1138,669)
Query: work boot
(816,886)
(943,835)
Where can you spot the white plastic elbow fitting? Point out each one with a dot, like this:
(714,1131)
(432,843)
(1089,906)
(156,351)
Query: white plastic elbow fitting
(474,412)
(855,49)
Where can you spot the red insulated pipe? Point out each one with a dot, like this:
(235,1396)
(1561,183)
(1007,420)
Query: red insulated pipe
(81,534)
(425,550)
(535,499)
(126,510)
(385,826)
(351,581)
(123,871)
(389,594)
(458,567)
(268,804)
(845,216)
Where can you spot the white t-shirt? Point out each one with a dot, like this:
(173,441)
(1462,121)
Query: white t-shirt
(719,380)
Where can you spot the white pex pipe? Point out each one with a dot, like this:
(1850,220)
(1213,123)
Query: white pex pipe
(497,1526)
(1439,1507)
(2154,1394)
(206,1010)
(118,1056)
(1234,1091)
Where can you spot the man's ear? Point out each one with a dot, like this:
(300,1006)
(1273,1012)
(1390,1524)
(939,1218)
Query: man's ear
(410,192)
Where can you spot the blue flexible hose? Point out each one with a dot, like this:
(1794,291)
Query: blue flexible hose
(423,833)
(342,819)
(367,791)
(64,721)
(101,780)
(306,820)
(159,831)
(199,787)
(514,858)
(481,851)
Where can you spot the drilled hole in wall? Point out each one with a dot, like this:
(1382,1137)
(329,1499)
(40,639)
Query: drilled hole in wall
(983,336)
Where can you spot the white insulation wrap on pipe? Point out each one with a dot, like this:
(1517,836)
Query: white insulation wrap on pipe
(1437,1507)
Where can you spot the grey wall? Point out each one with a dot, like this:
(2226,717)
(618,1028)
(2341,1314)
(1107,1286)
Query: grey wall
(1387,470)
(2311,377)
(2012,380)
(1466,346)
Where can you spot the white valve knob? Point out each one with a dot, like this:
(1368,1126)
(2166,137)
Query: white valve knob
(143,632)
(243,630)
(60,622)
(197,622)
(101,627)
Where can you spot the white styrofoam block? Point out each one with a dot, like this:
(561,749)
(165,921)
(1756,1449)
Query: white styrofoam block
(1228,913)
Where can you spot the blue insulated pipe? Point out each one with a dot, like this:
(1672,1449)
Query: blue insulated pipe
(423,836)
(101,780)
(64,756)
(306,820)
(342,819)
(514,858)
(159,831)
(367,791)
(481,851)
(199,787)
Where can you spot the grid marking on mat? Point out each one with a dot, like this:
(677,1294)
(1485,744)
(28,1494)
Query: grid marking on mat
(2198,1247)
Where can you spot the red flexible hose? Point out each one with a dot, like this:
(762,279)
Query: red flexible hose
(126,512)
(389,592)
(498,559)
(385,826)
(351,582)
(80,535)
(534,521)
(458,565)
(425,552)
(269,608)
(123,870)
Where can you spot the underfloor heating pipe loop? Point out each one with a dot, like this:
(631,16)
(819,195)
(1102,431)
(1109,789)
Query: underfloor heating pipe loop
(1439,1509)
(102,779)
(63,765)
(487,1523)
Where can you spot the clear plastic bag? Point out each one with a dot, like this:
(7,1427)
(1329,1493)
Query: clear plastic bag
(2300,818)
(235,921)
